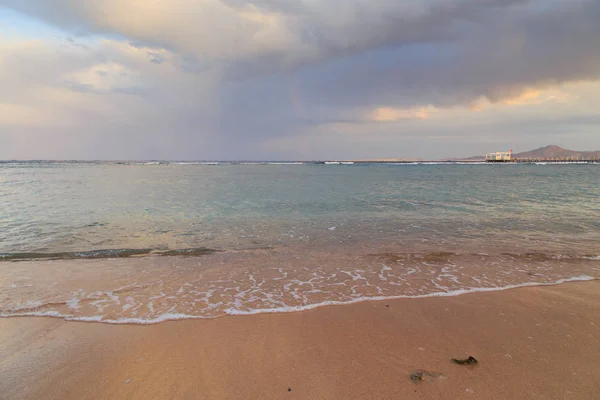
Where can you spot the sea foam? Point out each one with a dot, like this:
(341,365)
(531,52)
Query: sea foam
(285,309)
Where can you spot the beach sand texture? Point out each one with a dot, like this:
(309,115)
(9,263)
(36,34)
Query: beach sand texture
(531,343)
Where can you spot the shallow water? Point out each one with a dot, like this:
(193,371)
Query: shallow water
(143,243)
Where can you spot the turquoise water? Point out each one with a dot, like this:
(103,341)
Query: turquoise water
(77,207)
(144,243)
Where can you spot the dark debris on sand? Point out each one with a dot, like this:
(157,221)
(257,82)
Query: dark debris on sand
(467,361)
(420,375)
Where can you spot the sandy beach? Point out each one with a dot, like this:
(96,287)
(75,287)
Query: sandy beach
(530,343)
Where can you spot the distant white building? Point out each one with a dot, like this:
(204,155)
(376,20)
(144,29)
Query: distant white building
(499,156)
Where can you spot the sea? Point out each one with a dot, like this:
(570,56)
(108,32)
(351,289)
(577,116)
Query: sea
(145,242)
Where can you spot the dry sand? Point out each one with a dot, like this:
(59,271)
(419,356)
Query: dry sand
(531,343)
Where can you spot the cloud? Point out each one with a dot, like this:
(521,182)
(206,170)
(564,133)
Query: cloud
(240,79)
(109,101)
(206,28)
(387,114)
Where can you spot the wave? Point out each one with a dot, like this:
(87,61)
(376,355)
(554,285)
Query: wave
(439,256)
(433,256)
(433,163)
(287,309)
(226,163)
(451,293)
(105,253)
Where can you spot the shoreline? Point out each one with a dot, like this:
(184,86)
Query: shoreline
(531,342)
(299,309)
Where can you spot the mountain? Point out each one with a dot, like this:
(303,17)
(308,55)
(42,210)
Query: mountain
(551,151)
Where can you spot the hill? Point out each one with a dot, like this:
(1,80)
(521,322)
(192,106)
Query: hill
(553,151)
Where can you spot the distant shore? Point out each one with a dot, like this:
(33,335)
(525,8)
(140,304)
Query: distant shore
(530,343)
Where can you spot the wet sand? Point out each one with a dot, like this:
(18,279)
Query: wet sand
(531,343)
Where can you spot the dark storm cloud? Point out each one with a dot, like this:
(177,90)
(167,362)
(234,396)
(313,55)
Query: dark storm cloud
(496,59)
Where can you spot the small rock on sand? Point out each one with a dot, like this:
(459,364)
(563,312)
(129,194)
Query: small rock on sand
(467,361)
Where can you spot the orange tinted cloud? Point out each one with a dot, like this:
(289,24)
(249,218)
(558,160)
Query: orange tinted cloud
(390,114)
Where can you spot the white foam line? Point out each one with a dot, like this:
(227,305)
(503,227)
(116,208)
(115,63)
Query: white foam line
(420,296)
(288,309)
(97,318)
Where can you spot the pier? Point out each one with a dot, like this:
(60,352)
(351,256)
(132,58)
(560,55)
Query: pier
(558,160)
(550,160)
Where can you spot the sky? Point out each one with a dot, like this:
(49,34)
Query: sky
(296,79)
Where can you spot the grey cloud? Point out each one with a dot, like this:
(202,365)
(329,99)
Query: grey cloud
(496,60)
(484,37)
(132,90)
(322,29)
(155,58)
(587,119)
(343,58)
(340,29)
(558,123)
(80,87)
(512,50)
